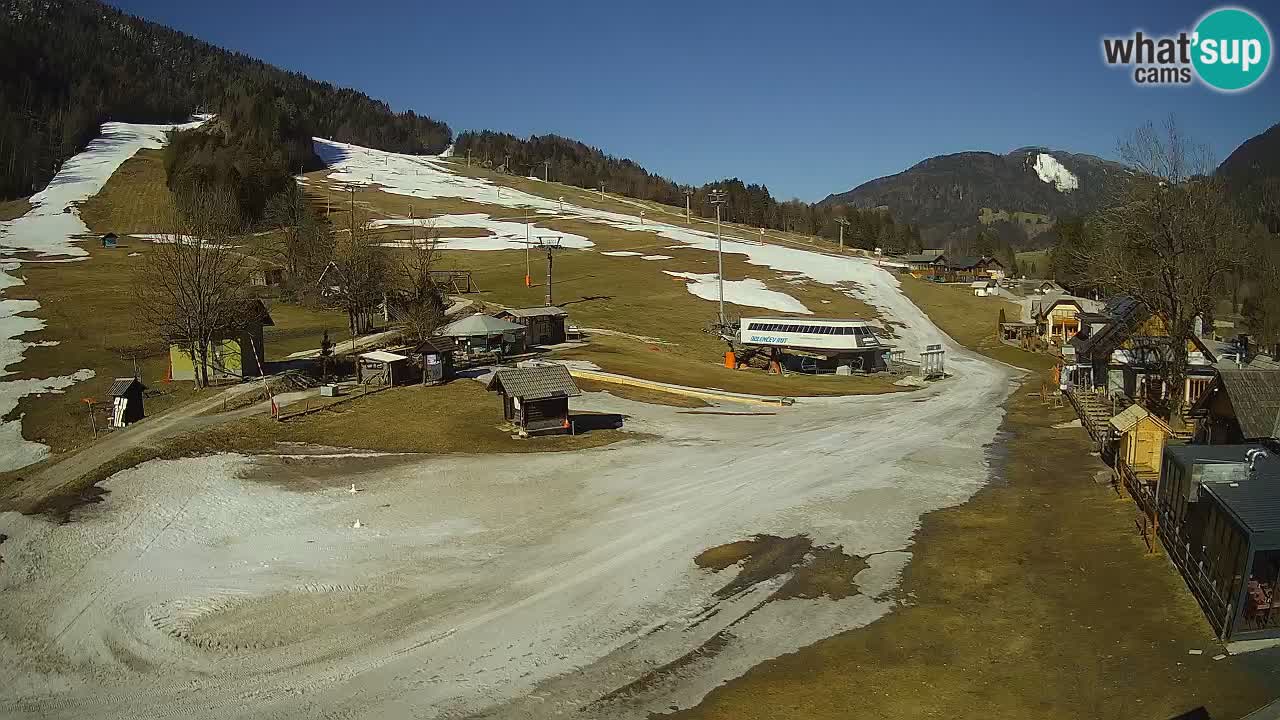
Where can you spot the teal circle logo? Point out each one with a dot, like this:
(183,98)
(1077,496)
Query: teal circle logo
(1231,49)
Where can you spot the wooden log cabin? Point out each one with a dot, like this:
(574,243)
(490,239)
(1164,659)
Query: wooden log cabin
(536,399)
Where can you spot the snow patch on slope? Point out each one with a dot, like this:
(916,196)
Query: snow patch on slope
(749,292)
(1054,173)
(50,229)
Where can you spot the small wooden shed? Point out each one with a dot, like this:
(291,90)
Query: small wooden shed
(110,240)
(1139,456)
(436,357)
(381,367)
(126,401)
(536,399)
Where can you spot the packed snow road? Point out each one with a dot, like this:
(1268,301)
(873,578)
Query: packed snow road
(521,585)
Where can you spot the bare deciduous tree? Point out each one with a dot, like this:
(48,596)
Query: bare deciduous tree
(190,287)
(419,300)
(363,273)
(1171,242)
(300,241)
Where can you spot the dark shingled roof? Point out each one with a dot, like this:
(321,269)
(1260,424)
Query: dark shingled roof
(120,386)
(436,345)
(1255,396)
(535,383)
(962,262)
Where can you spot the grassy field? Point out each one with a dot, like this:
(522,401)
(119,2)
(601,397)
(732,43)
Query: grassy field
(1034,263)
(631,295)
(972,321)
(11,209)
(640,394)
(134,200)
(460,417)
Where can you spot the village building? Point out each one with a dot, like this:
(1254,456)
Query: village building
(543,325)
(536,399)
(382,367)
(985,288)
(1239,405)
(928,264)
(126,401)
(264,275)
(435,355)
(1122,349)
(1057,317)
(235,354)
(486,334)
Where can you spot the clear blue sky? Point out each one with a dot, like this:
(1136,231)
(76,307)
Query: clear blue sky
(807,98)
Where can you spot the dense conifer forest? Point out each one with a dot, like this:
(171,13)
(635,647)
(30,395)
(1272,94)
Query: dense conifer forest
(69,65)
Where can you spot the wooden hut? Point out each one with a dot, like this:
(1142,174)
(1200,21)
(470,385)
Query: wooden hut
(543,325)
(110,240)
(126,401)
(536,399)
(381,367)
(1139,454)
(436,357)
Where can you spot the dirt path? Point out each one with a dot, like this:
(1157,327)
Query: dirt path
(28,494)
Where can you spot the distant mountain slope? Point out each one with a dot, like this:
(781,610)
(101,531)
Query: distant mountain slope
(1252,172)
(946,194)
(69,65)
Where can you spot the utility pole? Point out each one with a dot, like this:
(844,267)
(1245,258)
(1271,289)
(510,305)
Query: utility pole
(717,198)
(549,243)
(601,191)
(468,157)
(546,171)
(527,243)
(687,194)
(843,223)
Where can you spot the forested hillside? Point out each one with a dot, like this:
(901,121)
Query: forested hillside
(574,163)
(69,65)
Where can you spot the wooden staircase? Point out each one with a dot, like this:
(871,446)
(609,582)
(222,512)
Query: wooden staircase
(1094,410)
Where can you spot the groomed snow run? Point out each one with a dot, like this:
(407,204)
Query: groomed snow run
(1054,173)
(749,292)
(50,230)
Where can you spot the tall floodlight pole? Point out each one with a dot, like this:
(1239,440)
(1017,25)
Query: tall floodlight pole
(549,243)
(601,191)
(717,198)
(527,243)
(687,215)
(546,171)
(843,223)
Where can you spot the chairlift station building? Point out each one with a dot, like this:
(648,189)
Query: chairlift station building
(827,344)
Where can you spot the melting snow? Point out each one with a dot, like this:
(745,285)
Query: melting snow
(621,253)
(507,234)
(50,229)
(1054,173)
(655,257)
(749,292)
